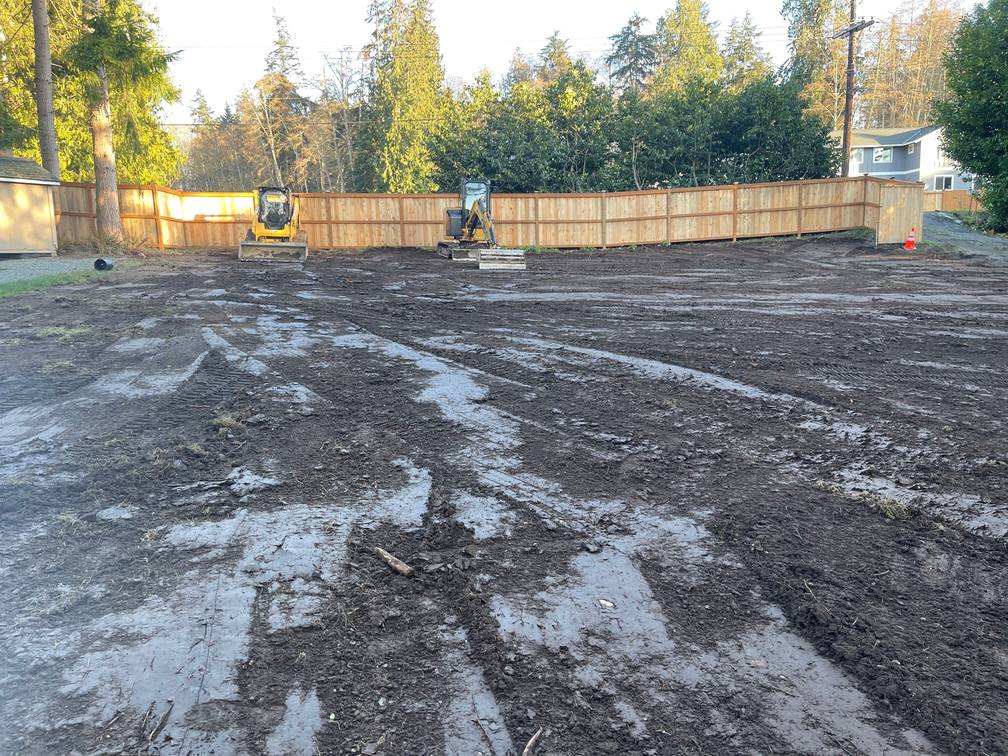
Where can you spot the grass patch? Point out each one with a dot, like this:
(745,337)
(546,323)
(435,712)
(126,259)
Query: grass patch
(63,333)
(887,505)
(71,523)
(16,288)
(224,424)
(65,367)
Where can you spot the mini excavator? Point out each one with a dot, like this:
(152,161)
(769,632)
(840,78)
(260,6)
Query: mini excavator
(470,229)
(276,227)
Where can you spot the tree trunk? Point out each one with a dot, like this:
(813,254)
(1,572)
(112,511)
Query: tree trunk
(106,180)
(44,89)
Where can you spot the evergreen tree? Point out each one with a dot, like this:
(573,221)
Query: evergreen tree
(145,151)
(279,112)
(407,98)
(633,55)
(520,69)
(817,62)
(118,54)
(12,133)
(554,60)
(973,112)
(745,61)
(687,46)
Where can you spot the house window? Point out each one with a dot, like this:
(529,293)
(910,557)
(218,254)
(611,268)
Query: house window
(882,155)
(910,149)
(857,156)
(943,183)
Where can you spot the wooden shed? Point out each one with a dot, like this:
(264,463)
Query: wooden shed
(27,208)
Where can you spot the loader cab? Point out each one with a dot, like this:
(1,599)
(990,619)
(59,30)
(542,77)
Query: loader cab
(274,207)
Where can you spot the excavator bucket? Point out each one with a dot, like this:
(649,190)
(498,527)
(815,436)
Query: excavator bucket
(271,250)
(502,259)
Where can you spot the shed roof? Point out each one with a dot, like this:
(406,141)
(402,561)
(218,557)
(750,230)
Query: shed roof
(22,171)
(885,137)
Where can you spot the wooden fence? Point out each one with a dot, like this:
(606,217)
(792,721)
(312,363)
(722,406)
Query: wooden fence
(960,199)
(170,219)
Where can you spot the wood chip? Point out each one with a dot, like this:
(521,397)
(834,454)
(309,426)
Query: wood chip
(396,564)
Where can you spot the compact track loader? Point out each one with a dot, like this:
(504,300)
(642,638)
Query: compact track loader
(471,231)
(275,232)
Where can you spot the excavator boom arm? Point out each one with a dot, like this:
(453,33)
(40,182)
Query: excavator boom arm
(478,217)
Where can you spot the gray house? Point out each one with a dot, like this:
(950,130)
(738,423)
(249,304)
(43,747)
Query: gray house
(905,155)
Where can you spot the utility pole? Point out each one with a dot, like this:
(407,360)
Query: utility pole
(848,119)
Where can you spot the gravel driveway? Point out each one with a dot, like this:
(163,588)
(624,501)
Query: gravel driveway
(944,229)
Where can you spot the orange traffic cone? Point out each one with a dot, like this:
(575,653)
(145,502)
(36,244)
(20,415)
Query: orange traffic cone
(910,241)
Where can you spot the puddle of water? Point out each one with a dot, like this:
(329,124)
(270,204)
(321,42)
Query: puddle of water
(185,647)
(135,384)
(149,344)
(471,697)
(665,371)
(810,697)
(969,511)
(295,735)
(243,481)
(486,515)
(404,506)
(302,397)
(234,355)
(281,338)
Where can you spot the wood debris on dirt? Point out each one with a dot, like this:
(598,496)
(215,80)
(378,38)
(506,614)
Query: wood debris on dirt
(530,746)
(396,564)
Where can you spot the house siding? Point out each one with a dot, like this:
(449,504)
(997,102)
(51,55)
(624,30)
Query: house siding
(926,164)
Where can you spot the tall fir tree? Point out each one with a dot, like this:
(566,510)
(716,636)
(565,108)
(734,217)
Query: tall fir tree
(554,60)
(633,56)
(408,98)
(745,60)
(817,62)
(520,69)
(687,48)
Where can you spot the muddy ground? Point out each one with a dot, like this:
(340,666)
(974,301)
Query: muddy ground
(719,499)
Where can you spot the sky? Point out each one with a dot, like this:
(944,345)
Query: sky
(223,45)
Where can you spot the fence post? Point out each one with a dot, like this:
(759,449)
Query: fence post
(734,218)
(328,213)
(864,200)
(157,219)
(535,215)
(799,208)
(605,236)
(90,208)
(668,214)
(402,223)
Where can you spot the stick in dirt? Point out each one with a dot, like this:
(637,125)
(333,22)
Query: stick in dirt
(530,746)
(396,564)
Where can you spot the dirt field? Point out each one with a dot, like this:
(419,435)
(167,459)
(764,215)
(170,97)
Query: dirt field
(722,499)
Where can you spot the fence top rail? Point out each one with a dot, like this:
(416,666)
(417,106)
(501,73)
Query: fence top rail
(517,195)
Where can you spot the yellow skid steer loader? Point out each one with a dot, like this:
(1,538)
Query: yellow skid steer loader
(471,231)
(276,228)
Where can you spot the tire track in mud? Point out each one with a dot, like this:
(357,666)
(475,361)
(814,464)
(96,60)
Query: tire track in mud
(531,492)
(614,561)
